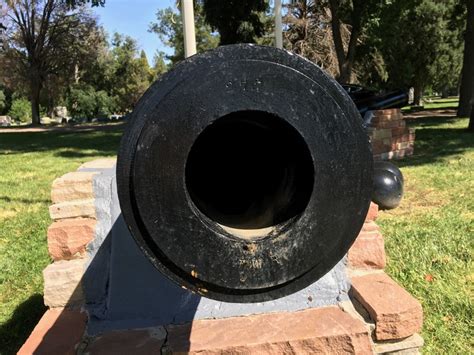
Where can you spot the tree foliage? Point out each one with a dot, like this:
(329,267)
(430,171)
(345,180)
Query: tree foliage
(132,74)
(3,101)
(418,46)
(358,14)
(169,28)
(308,33)
(117,78)
(43,41)
(237,21)
(85,102)
(20,110)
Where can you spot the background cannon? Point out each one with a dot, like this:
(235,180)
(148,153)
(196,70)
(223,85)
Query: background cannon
(245,173)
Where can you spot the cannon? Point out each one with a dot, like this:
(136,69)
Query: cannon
(370,100)
(245,173)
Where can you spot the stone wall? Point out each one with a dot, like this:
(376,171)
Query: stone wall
(98,271)
(389,136)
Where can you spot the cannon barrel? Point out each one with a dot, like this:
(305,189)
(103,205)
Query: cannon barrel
(245,173)
(394,99)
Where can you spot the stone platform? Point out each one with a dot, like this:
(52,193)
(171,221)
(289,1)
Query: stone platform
(105,297)
(389,135)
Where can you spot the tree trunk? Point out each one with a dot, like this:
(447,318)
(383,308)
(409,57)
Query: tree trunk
(471,120)
(418,94)
(345,61)
(466,99)
(35,104)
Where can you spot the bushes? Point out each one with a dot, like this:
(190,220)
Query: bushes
(85,102)
(3,103)
(105,104)
(20,110)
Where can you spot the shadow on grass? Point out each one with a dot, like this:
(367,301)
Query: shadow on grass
(434,143)
(15,331)
(63,144)
(431,121)
(23,200)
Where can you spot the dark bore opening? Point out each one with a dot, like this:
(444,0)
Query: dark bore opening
(250,170)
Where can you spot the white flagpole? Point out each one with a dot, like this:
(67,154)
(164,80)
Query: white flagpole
(278,26)
(187,11)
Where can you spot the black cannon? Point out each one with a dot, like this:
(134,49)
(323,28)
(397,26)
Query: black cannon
(245,173)
(369,100)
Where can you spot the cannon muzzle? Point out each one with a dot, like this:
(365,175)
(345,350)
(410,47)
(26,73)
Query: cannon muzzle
(245,173)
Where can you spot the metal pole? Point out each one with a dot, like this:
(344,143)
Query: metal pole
(187,11)
(278,26)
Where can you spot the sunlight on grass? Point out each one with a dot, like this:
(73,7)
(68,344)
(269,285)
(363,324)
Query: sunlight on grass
(429,238)
(29,163)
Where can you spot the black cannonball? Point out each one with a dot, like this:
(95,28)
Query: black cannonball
(385,165)
(388,189)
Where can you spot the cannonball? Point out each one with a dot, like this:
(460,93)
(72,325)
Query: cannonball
(385,165)
(387,189)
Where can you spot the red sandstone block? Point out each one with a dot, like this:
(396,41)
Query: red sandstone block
(326,330)
(72,209)
(130,341)
(398,131)
(396,313)
(368,251)
(389,111)
(386,118)
(59,331)
(68,238)
(380,133)
(401,138)
(372,213)
(389,124)
(378,147)
(402,145)
(370,226)
(104,163)
(76,185)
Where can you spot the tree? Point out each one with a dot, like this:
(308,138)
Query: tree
(20,110)
(357,14)
(85,102)
(413,41)
(44,39)
(131,73)
(75,3)
(3,103)
(169,28)
(237,21)
(159,66)
(466,99)
(308,33)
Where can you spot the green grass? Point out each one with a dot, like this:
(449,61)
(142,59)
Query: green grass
(428,238)
(29,162)
(437,103)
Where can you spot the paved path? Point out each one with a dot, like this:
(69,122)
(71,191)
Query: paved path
(445,112)
(78,128)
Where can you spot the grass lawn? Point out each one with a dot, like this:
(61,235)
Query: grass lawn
(29,162)
(437,103)
(428,238)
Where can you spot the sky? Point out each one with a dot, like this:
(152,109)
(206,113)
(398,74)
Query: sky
(132,17)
